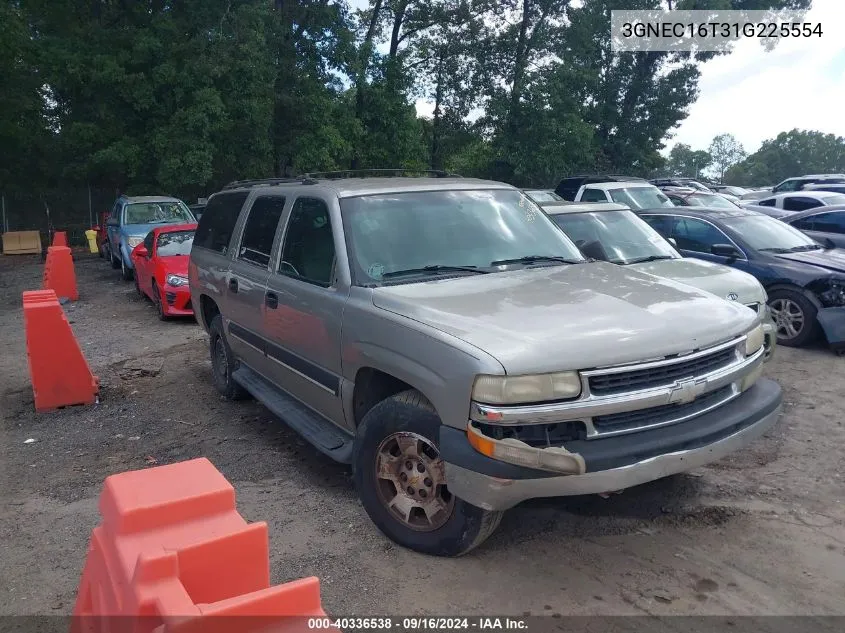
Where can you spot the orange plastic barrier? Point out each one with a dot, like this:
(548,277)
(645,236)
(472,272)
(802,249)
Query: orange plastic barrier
(59,273)
(60,238)
(59,372)
(173,555)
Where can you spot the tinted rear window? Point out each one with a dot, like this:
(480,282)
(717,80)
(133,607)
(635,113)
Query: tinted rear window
(218,221)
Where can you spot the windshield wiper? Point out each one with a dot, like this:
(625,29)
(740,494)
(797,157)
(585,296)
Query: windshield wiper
(805,247)
(435,268)
(650,258)
(773,250)
(531,259)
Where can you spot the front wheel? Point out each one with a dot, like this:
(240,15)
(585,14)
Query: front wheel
(401,480)
(125,272)
(794,316)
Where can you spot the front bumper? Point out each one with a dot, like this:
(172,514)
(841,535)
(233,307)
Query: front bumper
(614,463)
(832,321)
(177,301)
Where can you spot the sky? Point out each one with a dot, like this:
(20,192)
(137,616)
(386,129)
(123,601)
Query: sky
(755,94)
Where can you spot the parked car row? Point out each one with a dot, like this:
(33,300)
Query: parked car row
(463,352)
(149,239)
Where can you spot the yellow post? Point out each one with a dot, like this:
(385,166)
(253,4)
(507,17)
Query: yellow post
(91,234)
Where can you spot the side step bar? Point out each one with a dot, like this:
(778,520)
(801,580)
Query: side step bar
(325,436)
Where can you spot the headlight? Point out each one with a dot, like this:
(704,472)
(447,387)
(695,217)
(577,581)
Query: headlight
(530,388)
(132,242)
(754,340)
(834,296)
(176,280)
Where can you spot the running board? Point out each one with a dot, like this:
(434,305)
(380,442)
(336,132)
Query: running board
(325,436)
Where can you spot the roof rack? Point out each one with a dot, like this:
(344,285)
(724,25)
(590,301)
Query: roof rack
(267,182)
(359,173)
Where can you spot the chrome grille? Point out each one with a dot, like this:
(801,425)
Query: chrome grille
(636,379)
(657,416)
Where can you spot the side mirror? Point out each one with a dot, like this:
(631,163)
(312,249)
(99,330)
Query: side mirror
(725,250)
(672,241)
(141,251)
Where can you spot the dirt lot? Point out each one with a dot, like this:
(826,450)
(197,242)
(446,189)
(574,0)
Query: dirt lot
(762,532)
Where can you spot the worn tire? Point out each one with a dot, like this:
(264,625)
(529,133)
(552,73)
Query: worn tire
(409,411)
(221,378)
(157,302)
(126,273)
(811,326)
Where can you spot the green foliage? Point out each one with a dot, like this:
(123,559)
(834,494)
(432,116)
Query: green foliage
(686,162)
(790,154)
(164,97)
(725,152)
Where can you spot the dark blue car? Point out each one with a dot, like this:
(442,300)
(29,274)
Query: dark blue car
(805,279)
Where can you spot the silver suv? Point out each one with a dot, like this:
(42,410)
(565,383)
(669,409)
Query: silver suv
(443,338)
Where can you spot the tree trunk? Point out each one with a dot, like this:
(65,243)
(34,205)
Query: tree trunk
(361,79)
(519,66)
(398,18)
(436,119)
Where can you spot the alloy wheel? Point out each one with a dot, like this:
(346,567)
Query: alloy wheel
(411,481)
(788,316)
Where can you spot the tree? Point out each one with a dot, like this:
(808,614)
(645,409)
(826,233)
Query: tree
(790,154)
(725,152)
(684,161)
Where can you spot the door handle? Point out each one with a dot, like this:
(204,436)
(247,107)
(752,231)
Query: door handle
(233,284)
(271,300)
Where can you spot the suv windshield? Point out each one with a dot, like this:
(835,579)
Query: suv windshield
(174,243)
(395,232)
(614,236)
(157,213)
(764,233)
(640,197)
(710,200)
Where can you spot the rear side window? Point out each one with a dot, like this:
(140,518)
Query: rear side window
(831,222)
(260,229)
(800,204)
(593,195)
(767,203)
(218,221)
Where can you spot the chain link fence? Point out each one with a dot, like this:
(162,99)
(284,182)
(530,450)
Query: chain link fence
(74,210)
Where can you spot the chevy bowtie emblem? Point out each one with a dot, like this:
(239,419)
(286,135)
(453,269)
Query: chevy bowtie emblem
(733,296)
(684,391)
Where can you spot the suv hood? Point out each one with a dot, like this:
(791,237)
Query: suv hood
(715,278)
(569,317)
(832,259)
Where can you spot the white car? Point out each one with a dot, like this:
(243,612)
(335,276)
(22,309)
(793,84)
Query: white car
(795,184)
(783,204)
(633,194)
(614,233)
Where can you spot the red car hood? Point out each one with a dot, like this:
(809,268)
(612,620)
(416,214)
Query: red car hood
(175,264)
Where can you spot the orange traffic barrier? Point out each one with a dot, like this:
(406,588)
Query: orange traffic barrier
(172,555)
(59,273)
(59,372)
(59,238)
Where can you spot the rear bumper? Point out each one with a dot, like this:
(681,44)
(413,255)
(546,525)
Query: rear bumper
(614,463)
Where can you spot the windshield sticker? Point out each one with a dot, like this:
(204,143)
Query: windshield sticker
(375,271)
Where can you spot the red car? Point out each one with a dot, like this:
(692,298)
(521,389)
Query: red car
(102,234)
(161,269)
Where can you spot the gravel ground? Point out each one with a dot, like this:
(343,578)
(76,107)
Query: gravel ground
(760,533)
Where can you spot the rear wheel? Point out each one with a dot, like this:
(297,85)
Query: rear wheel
(223,362)
(401,480)
(794,316)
